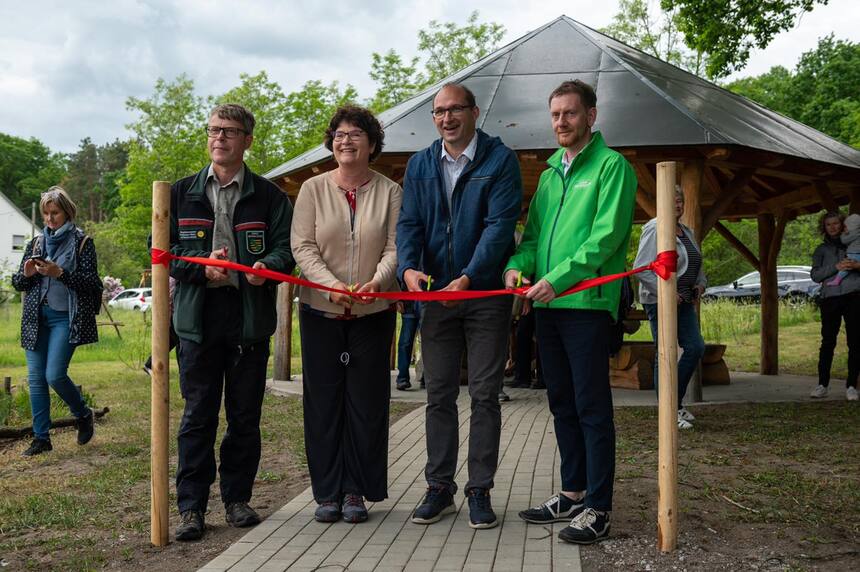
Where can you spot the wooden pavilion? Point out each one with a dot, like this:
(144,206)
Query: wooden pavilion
(739,159)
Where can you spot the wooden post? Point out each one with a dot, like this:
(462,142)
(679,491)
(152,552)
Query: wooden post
(667,334)
(284,333)
(7,385)
(767,253)
(160,372)
(854,206)
(691,184)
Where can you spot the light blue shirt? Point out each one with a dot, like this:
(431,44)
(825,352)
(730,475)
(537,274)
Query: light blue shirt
(453,168)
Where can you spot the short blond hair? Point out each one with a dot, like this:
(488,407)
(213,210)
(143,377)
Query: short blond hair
(61,198)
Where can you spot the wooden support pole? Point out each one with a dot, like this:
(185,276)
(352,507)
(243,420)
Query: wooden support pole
(691,185)
(769,358)
(827,200)
(855,201)
(727,196)
(667,334)
(737,244)
(284,333)
(160,428)
(7,385)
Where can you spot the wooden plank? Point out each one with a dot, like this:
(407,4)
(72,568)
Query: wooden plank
(737,244)
(823,190)
(769,358)
(728,195)
(855,200)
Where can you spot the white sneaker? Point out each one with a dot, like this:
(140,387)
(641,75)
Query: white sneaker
(819,392)
(851,394)
(683,423)
(685,415)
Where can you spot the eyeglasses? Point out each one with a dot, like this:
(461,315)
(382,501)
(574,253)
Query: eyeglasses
(229,132)
(440,112)
(353,135)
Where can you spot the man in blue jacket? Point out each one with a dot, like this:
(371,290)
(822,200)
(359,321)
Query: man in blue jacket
(461,199)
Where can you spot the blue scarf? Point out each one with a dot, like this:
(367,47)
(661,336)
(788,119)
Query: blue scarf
(60,246)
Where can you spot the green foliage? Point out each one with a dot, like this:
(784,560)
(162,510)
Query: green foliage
(822,92)
(308,112)
(635,25)
(93,178)
(728,30)
(447,48)
(27,168)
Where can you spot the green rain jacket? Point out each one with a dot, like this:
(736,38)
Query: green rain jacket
(579,226)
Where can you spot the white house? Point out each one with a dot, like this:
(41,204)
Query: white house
(15,231)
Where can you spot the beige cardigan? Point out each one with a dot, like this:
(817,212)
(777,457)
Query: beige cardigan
(327,250)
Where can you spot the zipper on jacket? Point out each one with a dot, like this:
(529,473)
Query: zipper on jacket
(557,214)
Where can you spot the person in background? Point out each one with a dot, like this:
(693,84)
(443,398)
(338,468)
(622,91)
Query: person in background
(691,285)
(840,302)
(343,237)
(409,321)
(59,276)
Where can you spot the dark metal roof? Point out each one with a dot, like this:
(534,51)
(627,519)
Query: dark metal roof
(642,102)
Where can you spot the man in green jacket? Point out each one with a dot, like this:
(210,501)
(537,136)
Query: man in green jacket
(578,227)
(224,319)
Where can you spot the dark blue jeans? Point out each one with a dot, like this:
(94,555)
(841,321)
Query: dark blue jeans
(574,354)
(48,365)
(690,340)
(408,328)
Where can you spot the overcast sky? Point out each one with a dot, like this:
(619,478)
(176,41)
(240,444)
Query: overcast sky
(66,68)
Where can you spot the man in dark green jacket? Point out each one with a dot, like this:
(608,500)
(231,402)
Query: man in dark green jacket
(578,227)
(224,319)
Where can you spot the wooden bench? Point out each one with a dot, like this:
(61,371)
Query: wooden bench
(633,366)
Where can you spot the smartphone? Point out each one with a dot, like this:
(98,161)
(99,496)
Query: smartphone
(38,258)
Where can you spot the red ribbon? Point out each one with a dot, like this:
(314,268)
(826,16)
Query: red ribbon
(663,266)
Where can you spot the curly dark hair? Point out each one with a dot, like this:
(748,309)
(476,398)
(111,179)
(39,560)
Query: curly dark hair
(361,118)
(828,215)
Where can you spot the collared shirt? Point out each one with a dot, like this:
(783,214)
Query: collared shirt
(567,160)
(453,168)
(223,200)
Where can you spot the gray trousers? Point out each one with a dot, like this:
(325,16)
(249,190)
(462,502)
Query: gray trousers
(480,328)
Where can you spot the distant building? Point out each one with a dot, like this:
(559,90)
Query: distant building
(15,231)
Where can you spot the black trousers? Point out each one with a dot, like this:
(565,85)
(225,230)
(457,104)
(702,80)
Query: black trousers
(574,351)
(346,380)
(206,371)
(833,311)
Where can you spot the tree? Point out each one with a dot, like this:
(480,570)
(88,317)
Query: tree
(727,30)
(635,25)
(308,112)
(448,48)
(27,168)
(822,92)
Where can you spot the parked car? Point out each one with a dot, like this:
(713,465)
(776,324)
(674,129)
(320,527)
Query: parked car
(792,283)
(133,299)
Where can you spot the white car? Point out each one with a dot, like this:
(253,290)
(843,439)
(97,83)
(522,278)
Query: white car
(133,299)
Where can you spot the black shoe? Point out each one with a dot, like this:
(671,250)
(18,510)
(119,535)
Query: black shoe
(327,511)
(503,396)
(481,513)
(538,384)
(421,383)
(353,508)
(403,384)
(191,526)
(86,428)
(559,508)
(521,384)
(437,502)
(588,527)
(240,515)
(37,447)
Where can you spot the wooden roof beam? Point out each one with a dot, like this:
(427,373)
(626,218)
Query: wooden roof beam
(726,197)
(737,244)
(826,196)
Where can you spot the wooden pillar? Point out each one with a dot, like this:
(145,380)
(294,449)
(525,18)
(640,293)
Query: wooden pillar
(767,252)
(667,335)
(160,398)
(855,201)
(691,184)
(284,334)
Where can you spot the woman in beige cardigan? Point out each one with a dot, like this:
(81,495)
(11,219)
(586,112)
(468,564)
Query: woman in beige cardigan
(343,233)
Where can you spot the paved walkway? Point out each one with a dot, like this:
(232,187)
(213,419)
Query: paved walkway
(528,473)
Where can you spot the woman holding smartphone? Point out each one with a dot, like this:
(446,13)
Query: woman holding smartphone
(59,276)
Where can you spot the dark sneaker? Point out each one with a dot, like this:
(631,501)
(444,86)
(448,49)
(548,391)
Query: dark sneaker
(353,508)
(559,508)
(503,396)
(240,515)
(437,503)
(191,526)
(37,447)
(403,384)
(481,513)
(588,527)
(86,428)
(327,511)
